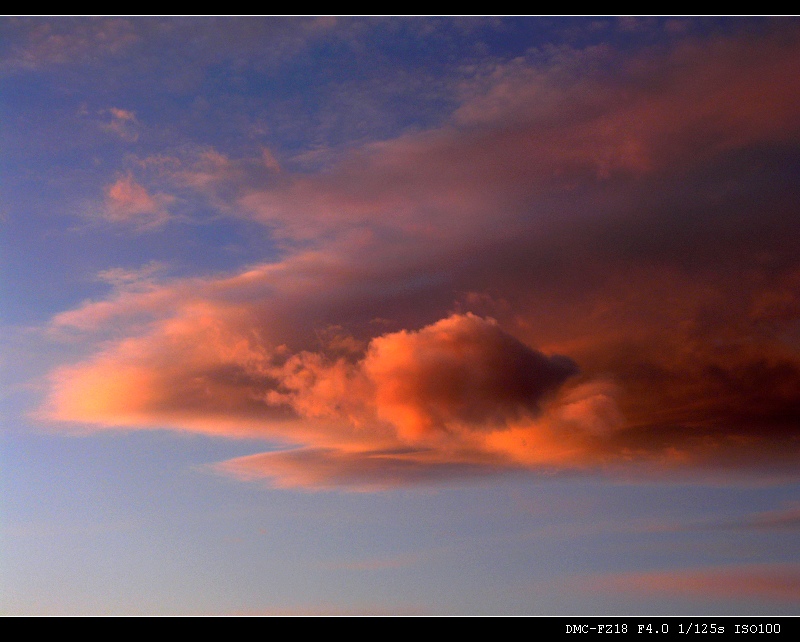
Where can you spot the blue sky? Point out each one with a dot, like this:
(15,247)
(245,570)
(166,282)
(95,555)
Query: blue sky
(399,315)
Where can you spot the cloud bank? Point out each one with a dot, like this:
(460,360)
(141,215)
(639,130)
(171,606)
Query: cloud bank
(591,266)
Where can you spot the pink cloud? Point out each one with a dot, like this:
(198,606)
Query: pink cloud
(616,218)
(123,124)
(770,582)
(64,41)
(244,356)
(368,471)
(455,398)
(528,131)
(460,370)
(787,518)
(528,139)
(44,42)
(441,401)
(130,203)
(365,406)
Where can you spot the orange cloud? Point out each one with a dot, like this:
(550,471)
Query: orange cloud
(459,396)
(460,371)
(642,224)
(255,354)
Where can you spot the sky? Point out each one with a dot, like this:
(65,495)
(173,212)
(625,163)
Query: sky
(408,316)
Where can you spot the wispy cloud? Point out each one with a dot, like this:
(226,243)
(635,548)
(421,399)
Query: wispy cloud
(121,123)
(39,43)
(127,202)
(780,519)
(376,563)
(770,582)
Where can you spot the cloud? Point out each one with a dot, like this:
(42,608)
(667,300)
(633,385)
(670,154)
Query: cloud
(563,130)
(199,180)
(779,519)
(460,371)
(40,43)
(627,220)
(457,397)
(123,124)
(132,278)
(529,132)
(130,203)
(244,356)
(368,471)
(770,582)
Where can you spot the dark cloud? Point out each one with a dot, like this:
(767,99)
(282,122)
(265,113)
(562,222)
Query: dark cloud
(632,211)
